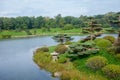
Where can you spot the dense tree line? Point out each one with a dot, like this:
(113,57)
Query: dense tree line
(25,22)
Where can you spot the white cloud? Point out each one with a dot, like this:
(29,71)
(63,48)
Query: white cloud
(54,7)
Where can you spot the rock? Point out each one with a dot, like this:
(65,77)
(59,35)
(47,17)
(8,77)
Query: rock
(67,46)
(57,74)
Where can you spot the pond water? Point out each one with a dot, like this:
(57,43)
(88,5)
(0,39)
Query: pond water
(16,58)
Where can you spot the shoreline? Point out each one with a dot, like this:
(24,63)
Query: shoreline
(38,35)
(48,34)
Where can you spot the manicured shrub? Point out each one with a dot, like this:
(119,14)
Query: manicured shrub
(62,38)
(117,56)
(110,38)
(114,49)
(104,43)
(88,44)
(43,49)
(96,62)
(68,43)
(61,49)
(111,50)
(117,49)
(112,71)
(80,49)
(98,39)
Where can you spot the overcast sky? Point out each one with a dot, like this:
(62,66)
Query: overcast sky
(13,8)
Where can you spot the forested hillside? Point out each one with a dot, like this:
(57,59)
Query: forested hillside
(25,22)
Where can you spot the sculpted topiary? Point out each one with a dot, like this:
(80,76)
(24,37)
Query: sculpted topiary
(112,71)
(96,62)
(61,49)
(104,43)
(110,38)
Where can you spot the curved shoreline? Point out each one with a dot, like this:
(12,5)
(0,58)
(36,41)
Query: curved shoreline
(48,34)
(65,71)
(44,34)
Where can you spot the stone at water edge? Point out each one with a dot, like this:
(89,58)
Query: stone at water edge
(57,74)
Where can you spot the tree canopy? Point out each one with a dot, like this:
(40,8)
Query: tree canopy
(25,22)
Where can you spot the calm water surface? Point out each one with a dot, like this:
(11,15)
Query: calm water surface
(16,58)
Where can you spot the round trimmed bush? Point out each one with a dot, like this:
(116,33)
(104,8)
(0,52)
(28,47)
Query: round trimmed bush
(61,49)
(96,62)
(98,39)
(111,50)
(112,71)
(104,43)
(110,38)
(43,49)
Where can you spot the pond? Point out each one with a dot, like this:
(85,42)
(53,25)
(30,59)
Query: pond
(16,58)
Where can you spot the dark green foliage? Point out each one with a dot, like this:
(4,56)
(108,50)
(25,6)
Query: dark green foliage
(96,62)
(68,43)
(112,71)
(28,32)
(61,49)
(79,49)
(110,38)
(110,29)
(25,22)
(62,38)
(6,36)
(104,43)
(42,49)
(89,44)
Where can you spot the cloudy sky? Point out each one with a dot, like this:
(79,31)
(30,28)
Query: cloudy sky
(13,8)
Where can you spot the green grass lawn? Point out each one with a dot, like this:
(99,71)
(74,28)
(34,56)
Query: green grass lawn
(80,63)
(52,31)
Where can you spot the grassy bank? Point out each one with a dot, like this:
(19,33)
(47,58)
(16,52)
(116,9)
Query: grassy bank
(38,32)
(70,70)
(41,32)
(98,59)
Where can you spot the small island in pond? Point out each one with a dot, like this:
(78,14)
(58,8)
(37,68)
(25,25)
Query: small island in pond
(96,58)
(90,58)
